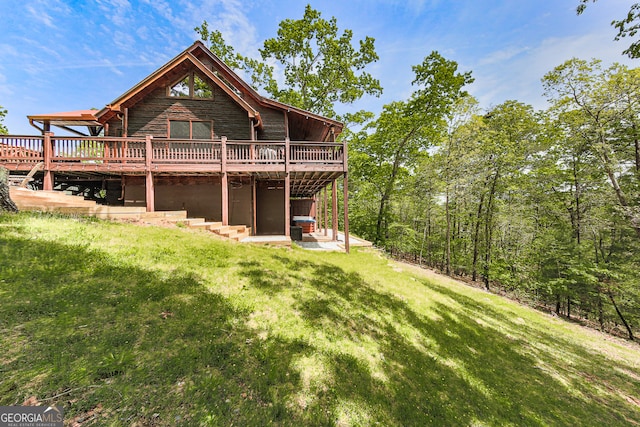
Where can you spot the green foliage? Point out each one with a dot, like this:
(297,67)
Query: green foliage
(404,130)
(543,205)
(602,108)
(321,66)
(3,128)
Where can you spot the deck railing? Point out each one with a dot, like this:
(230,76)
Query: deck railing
(185,151)
(109,150)
(97,150)
(18,148)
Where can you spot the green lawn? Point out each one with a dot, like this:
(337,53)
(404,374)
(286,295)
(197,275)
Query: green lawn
(126,325)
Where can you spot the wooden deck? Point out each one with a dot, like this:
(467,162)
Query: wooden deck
(133,154)
(310,165)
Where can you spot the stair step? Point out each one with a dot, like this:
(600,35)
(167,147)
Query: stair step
(215,226)
(186,221)
(204,225)
(238,237)
(165,214)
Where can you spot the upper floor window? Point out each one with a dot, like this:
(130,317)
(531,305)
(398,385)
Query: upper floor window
(190,129)
(191,86)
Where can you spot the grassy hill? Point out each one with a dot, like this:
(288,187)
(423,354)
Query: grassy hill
(135,326)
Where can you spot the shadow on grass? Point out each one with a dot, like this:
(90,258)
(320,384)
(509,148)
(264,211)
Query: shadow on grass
(448,368)
(81,328)
(85,331)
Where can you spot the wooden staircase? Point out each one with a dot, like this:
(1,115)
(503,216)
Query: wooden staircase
(57,201)
(232,232)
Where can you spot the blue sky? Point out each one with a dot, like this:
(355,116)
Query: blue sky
(60,55)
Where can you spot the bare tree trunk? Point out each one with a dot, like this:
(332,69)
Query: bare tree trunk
(476,240)
(447,258)
(624,321)
(425,236)
(6,204)
(635,222)
(488,229)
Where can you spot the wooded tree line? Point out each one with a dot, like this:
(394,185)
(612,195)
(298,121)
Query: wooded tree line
(543,204)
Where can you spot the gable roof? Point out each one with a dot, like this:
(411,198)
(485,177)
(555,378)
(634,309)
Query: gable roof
(138,91)
(247,89)
(194,55)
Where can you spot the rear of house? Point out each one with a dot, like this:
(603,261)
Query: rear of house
(192,136)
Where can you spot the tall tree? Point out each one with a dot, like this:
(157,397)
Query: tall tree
(606,101)
(455,151)
(321,66)
(405,129)
(6,204)
(509,138)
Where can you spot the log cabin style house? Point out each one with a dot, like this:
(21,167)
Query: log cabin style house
(193,136)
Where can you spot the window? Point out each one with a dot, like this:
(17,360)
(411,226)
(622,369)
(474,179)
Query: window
(191,86)
(190,129)
(181,89)
(201,130)
(201,89)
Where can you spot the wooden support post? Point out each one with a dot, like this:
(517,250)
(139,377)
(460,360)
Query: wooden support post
(149,188)
(225,181)
(345,202)
(287,189)
(334,209)
(345,209)
(125,123)
(287,154)
(254,202)
(225,199)
(287,204)
(47,152)
(326,212)
(318,207)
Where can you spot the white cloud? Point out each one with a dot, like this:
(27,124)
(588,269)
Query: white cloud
(7,50)
(500,56)
(118,11)
(502,76)
(5,90)
(41,16)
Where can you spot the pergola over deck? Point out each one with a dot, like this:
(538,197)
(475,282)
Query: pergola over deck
(67,120)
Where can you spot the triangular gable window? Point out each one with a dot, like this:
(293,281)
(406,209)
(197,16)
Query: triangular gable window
(191,86)
(181,89)
(201,89)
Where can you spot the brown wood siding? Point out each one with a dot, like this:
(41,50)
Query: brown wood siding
(272,125)
(303,207)
(115,127)
(199,196)
(151,115)
(240,201)
(270,208)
